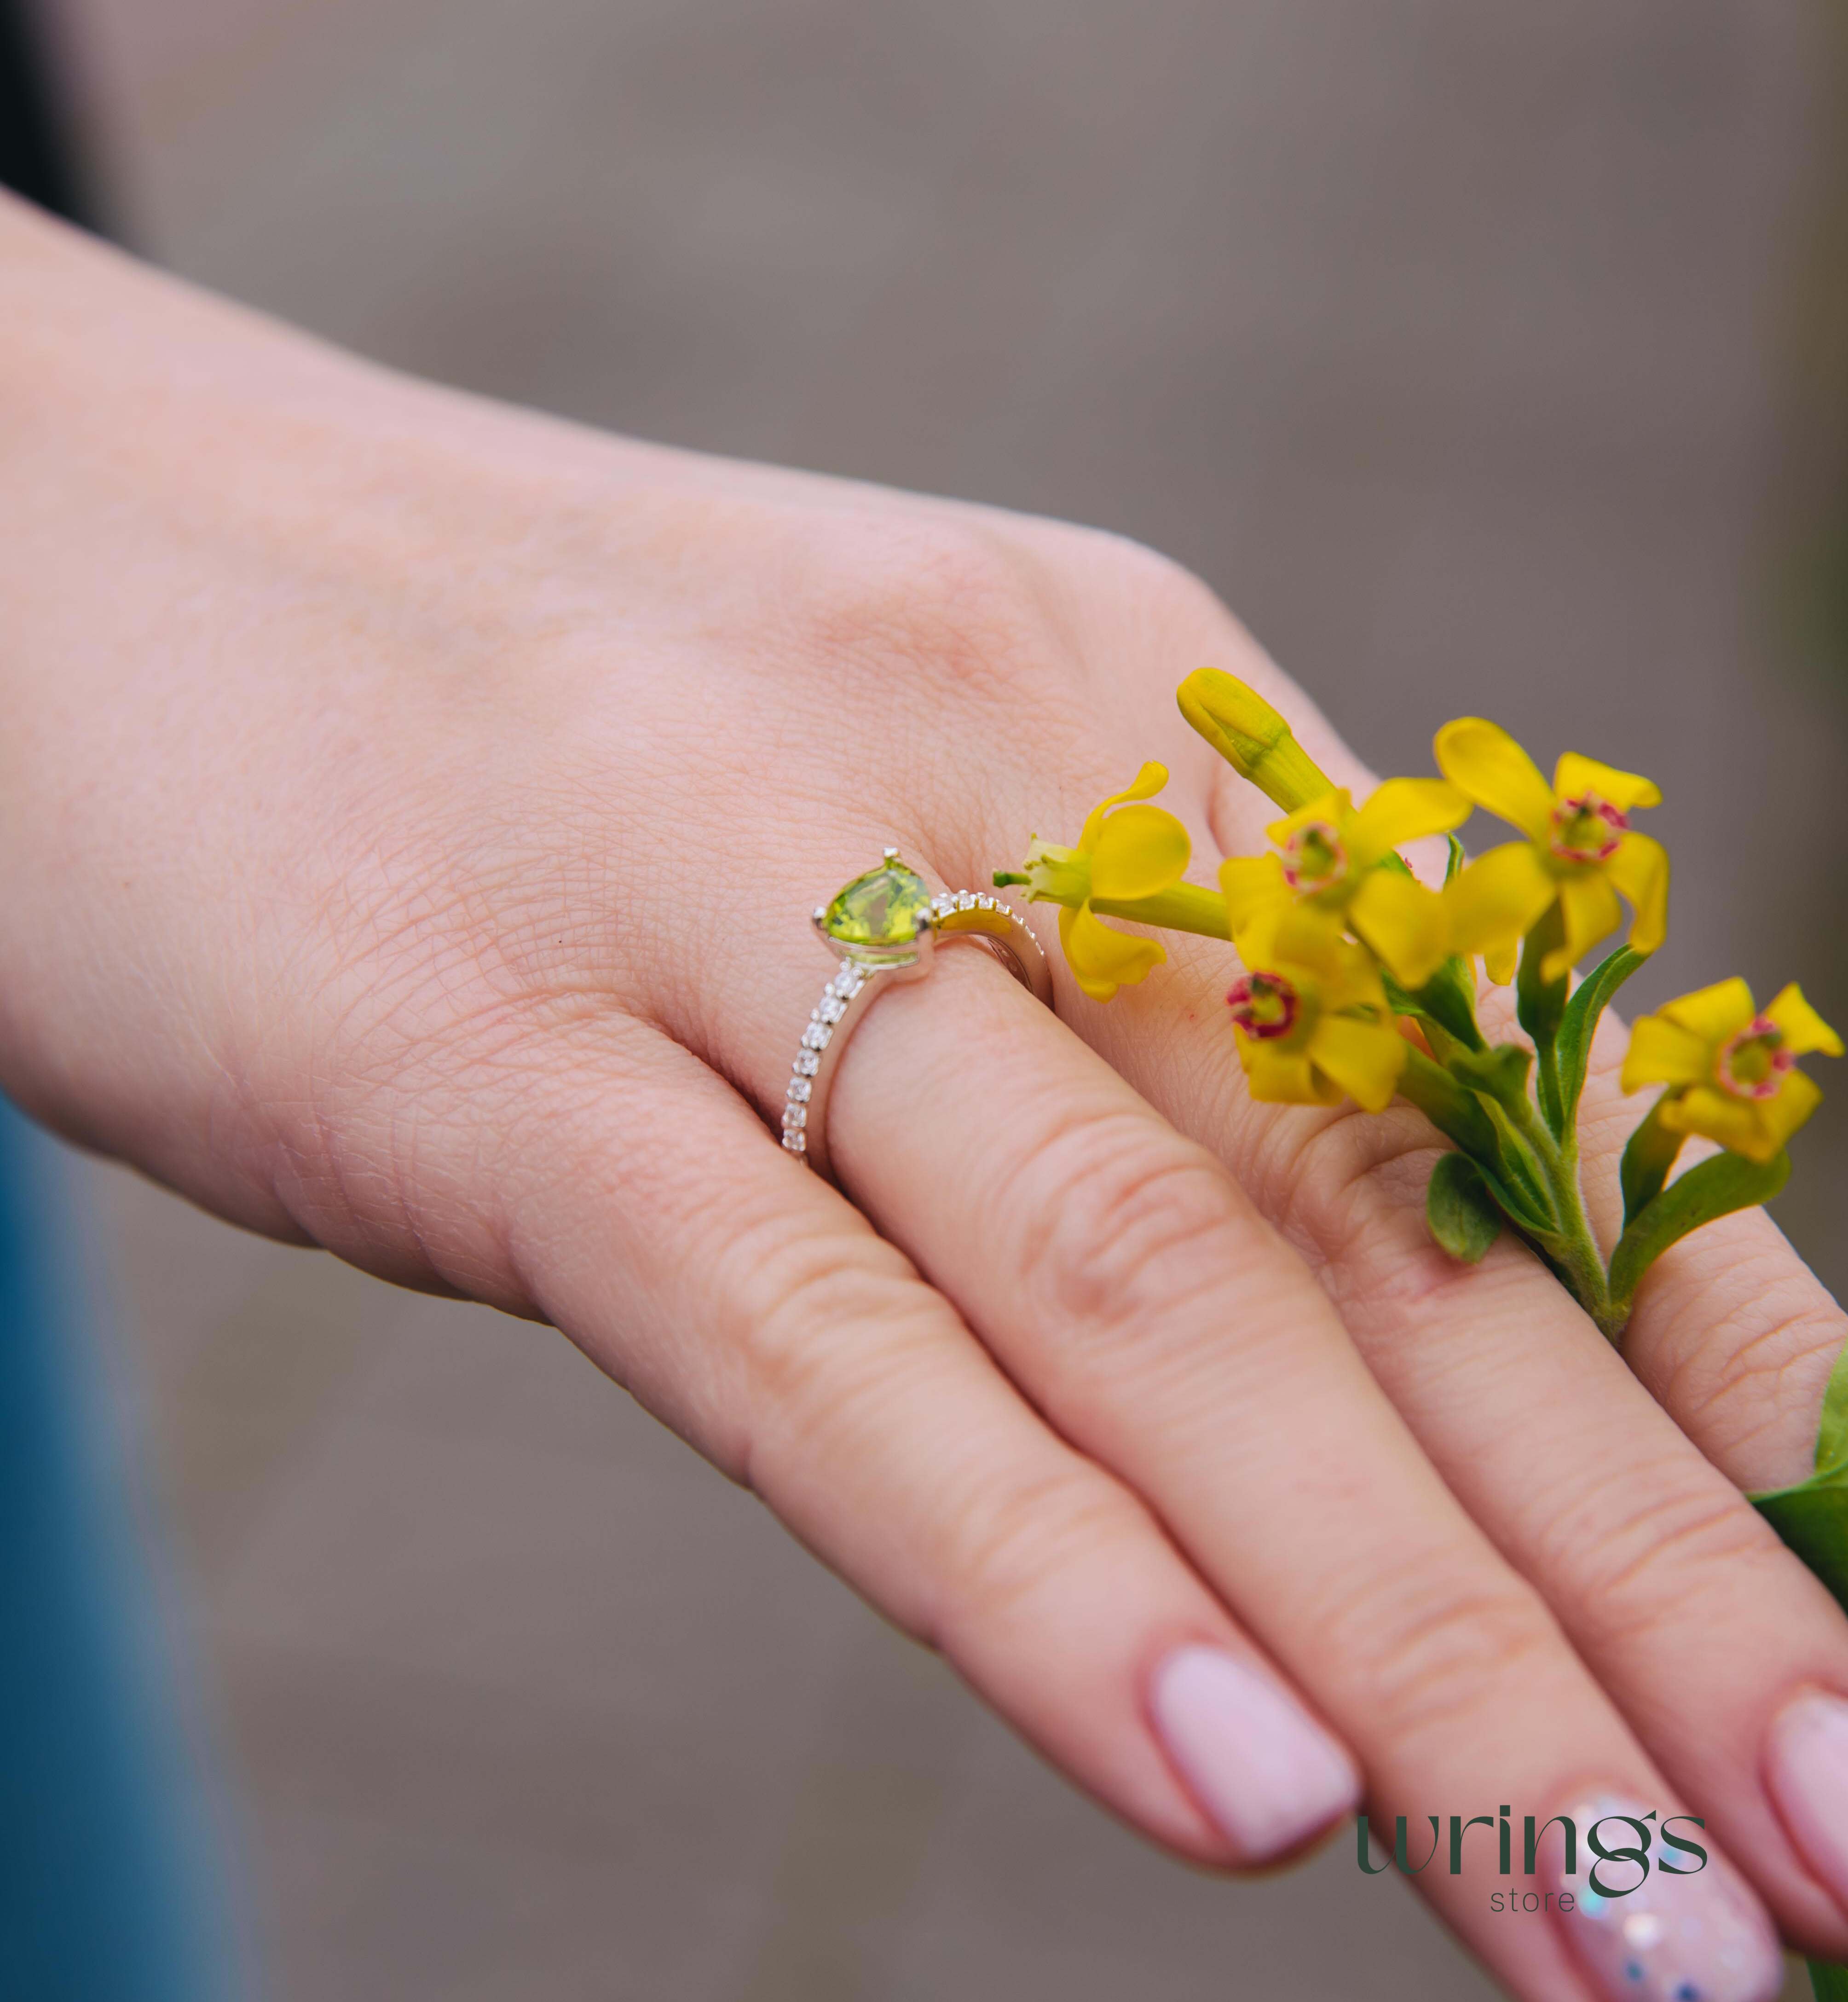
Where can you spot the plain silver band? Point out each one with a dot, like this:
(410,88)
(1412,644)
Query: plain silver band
(960,916)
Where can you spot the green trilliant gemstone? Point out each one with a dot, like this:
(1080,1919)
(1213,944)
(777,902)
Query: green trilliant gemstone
(882,908)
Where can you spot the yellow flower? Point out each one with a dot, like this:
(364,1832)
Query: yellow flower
(1310,1014)
(1579,852)
(1731,1072)
(1136,851)
(1329,860)
(1251,736)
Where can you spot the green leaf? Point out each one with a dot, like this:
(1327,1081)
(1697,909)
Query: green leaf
(1516,1175)
(1812,1519)
(1647,1160)
(1462,1215)
(1447,997)
(1579,1023)
(1714,1189)
(1501,1072)
(1456,1112)
(1481,1128)
(1828,1981)
(1540,1005)
(1455,863)
(1831,1435)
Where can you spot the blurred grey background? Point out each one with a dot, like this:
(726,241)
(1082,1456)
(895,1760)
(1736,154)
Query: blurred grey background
(1482,356)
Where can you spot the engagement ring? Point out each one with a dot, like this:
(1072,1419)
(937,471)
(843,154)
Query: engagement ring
(885,927)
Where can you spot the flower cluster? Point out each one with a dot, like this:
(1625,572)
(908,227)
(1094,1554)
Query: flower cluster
(1359,981)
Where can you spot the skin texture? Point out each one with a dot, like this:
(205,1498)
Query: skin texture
(409,810)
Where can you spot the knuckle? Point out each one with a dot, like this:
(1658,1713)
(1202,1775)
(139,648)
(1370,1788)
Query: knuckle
(793,1291)
(1011,1540)
(950,598)
(1125,1221)
(1755,1361)
(1437,1647)
(1355,1183)
(1648,1556)
(1137,571)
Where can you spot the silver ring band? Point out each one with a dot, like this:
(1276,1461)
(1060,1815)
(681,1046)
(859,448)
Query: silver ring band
(883,957)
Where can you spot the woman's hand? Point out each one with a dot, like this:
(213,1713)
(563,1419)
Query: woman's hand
(410,814)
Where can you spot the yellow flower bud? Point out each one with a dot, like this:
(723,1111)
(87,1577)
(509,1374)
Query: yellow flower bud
(1252,738)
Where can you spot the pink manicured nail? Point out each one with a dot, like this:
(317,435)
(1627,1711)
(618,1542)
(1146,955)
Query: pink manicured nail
(1268,1773)
(1700,1937)
(1806,1767)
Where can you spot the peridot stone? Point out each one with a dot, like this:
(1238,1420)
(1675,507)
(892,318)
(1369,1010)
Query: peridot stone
(880,909)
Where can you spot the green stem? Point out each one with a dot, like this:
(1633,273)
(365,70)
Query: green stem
(1546,1083)
(1578,1256)
(1186,908)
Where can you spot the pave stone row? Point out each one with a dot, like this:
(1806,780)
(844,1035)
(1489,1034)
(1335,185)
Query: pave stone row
(833,1005)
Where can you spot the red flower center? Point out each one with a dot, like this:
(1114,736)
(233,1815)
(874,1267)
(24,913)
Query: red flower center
(1587,829)
(1263,1005)
(1313,857)
(1752,1065)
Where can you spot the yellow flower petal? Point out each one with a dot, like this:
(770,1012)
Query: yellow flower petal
(1403,810)
(1640,869)
(1300,936)
(1498,899)
(1282,1077)
(1405,923)
(1759,1128)
(1715,1014)
(1365,1059)
(1664,1052)
(1146,783)
(1356,983)
(1737,1124)
(1140,850)
(1486,764)
(1590,908)
(1574,777)
(1334,808)
(1803,1029)
(1102,959)
(1502,962)
(1250,882)
(1796,1100)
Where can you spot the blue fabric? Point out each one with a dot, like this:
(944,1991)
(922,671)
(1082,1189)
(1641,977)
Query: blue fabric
(103,1896)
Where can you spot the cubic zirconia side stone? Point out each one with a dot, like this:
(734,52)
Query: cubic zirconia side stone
(807,1063)
(816,1035)
(800,1088)
(830,1010)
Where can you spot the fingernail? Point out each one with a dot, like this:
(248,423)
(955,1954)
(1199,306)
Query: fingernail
(1806,1767)
(1659,1937)
(1262,1767)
